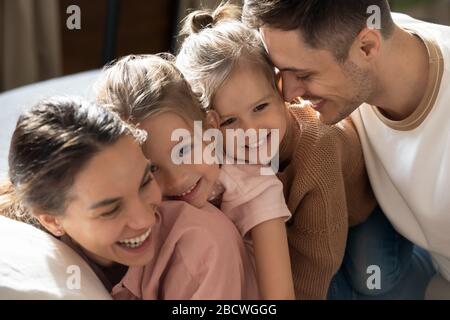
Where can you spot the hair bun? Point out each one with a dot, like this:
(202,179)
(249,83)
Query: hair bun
(197,21)
(201,20)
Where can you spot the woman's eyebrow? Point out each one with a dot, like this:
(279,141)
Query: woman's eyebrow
(104,203)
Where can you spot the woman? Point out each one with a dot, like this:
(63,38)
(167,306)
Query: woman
(77,171)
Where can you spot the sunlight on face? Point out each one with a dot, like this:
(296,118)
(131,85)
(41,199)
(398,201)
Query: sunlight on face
(114,203)
(248,100)
(192,183)
(334,89)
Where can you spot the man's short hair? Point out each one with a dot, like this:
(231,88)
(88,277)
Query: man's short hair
(330,24)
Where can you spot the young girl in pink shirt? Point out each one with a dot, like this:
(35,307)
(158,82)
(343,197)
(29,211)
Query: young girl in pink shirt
(151,92)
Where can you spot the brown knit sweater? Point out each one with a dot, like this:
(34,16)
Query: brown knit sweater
(327,190)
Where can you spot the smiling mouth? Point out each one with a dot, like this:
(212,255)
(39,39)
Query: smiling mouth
(185,193)
(316,103)
(136,241)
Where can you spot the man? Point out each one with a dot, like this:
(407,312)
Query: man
(392,74)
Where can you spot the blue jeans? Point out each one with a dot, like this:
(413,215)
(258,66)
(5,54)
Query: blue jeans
(379,263)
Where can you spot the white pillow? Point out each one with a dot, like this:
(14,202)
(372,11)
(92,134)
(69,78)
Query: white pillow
(13,103)
(35,265)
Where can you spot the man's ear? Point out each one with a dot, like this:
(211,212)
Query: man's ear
(50,222)
(212,119)
(368,44)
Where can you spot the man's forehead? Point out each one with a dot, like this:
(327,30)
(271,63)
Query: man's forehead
(288,52)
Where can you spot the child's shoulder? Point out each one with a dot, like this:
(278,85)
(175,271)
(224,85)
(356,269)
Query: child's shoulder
(323,137)
(188,228)
(329,149)
(303,112)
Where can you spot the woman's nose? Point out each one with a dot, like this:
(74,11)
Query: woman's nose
(142,214)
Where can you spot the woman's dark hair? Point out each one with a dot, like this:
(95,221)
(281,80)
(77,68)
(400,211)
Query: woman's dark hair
(50,145)
(331,24)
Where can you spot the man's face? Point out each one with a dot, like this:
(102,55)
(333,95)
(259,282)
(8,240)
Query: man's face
(335,89)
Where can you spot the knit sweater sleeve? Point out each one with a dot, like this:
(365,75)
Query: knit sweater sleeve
(318,232)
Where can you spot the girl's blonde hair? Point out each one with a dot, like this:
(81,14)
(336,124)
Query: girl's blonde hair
(139,86)
(216,43)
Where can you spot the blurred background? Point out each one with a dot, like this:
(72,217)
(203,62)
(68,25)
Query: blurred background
(36,43)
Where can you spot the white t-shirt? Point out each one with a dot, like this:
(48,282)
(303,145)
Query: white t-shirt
(408,161)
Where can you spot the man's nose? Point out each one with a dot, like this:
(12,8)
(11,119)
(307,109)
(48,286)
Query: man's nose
(292,88)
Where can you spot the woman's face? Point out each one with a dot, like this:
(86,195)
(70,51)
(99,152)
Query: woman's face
(112,206)
(192,183)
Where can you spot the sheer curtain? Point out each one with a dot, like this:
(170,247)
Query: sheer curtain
(30,42)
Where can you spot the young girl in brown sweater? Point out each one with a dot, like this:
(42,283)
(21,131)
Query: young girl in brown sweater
(321,167)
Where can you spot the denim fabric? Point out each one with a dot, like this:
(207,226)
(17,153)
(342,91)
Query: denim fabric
(404,268)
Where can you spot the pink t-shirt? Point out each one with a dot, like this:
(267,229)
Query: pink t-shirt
(198,254)
(251,198)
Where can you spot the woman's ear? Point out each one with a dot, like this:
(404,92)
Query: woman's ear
(212,119)
(50,222)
